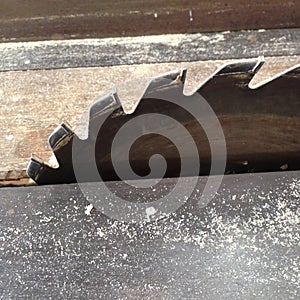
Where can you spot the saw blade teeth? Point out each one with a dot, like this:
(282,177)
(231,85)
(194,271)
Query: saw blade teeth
(62,132)
(173,75)
(164,80)
(34,167)
(290,73)
(142,89)
(106,104)
(243,66)
(244,70)
(231,81)
(41,172)
(101,106)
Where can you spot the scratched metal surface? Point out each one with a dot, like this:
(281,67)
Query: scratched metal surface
(243,245)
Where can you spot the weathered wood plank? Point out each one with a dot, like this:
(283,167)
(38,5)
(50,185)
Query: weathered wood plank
(36,20)
(148,49)
(35,102)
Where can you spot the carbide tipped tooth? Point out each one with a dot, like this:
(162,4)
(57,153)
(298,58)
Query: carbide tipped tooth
(245,66)
(290,75)
(167,80)
(60,135)
(182,76)
(105,105)
(240,72)
(34,167)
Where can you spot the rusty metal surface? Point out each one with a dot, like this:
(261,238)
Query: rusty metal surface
(36,20)
(243,245)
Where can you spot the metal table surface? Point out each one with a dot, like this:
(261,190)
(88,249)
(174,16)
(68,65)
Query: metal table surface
(243,245)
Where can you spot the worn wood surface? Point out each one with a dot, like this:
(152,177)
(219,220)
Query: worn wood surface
(148,49)
(35,102)
(56,19)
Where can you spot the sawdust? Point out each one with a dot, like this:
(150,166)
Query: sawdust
(271,223)
(245,244)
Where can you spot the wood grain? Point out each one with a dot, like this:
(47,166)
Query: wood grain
(166,48)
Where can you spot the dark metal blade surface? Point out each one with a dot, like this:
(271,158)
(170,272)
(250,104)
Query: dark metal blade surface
(260,125)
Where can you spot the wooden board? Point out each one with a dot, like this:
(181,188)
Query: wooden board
(56,19)
(148,49)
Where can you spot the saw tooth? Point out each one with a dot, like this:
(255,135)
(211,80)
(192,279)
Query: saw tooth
(133,92)
(42,173)
(34,167)
(101,106)
(173,77)
(156,84)
(105,105)
(290,73)
(251,66)
(58,139)
(60,136)
(242,70)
